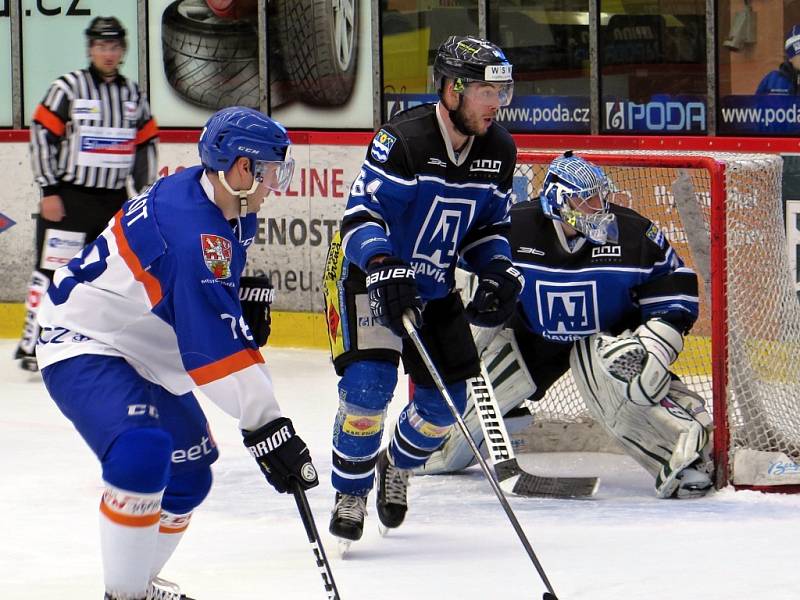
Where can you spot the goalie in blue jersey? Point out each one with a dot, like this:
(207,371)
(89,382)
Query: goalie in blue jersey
(607,297)
(150,311)
(434,189)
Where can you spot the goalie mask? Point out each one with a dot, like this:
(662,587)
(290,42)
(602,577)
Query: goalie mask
(576,193)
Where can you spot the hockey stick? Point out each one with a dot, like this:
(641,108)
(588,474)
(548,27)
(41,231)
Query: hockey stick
(512,478)
(437,378)
(316,543)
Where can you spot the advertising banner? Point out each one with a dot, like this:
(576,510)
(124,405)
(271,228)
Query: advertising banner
(205,56)
(662,114)
(295,228)
(53,42)
(766,115)
(525,114)
(6,115)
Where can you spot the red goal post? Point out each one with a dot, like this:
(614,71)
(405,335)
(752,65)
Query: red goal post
(723,214)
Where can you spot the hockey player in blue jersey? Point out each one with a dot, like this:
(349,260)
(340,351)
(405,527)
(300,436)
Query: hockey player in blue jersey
(603,290)
(435,187)
(150,311)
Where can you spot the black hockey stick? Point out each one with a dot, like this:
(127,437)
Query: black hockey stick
(437,378)
(316,543)
(512,478)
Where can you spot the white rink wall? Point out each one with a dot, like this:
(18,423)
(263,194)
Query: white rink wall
(296,227)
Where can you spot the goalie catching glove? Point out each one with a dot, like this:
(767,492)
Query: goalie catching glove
(256,295)
(282,456)
(643,359)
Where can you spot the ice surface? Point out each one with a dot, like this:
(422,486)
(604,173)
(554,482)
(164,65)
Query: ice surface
(247,542)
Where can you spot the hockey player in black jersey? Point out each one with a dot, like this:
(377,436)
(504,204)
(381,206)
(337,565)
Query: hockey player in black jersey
(434,189)
(607,296)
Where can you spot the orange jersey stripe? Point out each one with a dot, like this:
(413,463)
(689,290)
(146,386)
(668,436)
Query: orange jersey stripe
(148,131)
(49,120)
(129,520)
(151,284)
(226,366)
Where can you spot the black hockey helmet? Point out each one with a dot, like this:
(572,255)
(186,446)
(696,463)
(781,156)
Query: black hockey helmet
(105,28)
(469,58)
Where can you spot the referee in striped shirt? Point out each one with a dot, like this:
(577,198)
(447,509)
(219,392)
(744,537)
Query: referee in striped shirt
(91,132)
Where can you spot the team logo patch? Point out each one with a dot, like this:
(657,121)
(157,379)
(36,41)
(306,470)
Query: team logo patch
(217,253)
(381,145)
(362,425)
(656,235)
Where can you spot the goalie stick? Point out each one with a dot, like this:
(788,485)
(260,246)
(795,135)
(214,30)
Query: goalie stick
(511,477)
(408,324)
(316,543)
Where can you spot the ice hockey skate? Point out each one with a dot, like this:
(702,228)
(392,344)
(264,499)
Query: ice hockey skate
(392,501)
(27,362)
(347,520)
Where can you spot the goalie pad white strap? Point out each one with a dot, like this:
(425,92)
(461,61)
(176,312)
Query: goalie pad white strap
(664,438)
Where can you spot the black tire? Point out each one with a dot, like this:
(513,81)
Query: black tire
(320,70)
(208,61)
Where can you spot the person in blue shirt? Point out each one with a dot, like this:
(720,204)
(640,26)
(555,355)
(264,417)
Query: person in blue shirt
(149,312)
(783,80)
(434,189)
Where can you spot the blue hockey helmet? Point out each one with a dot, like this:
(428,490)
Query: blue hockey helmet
(239,131)
(568,195)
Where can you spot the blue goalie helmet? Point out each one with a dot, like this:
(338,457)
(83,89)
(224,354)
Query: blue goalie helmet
(239,131)
(568,195)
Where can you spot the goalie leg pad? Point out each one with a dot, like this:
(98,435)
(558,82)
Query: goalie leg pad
(512,384)
(509,376)
(665,438)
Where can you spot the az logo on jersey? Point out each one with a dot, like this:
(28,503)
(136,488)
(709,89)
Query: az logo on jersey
(381,145)
(567,311)
(444,224)
(217,253)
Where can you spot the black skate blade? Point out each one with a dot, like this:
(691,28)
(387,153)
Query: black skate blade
(549,596)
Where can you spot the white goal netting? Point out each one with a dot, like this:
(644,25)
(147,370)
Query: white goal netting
(723,214)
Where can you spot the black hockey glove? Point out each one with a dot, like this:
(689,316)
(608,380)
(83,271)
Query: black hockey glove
(392,290)
(495,298)
(282,455)
(256,295)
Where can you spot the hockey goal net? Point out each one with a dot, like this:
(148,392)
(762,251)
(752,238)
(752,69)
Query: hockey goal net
(723,214)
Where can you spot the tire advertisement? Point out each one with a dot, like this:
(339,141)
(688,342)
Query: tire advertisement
(54,43)
(295,228)
(204,55)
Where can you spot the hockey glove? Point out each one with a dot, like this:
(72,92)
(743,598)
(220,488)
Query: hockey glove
(282,455)
(496,296)
(392,289)
(256,295)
